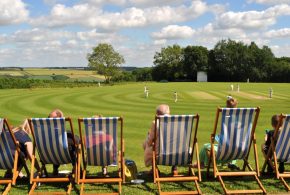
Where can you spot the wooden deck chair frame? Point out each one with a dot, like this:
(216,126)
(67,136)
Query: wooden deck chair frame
(81,173)
(17,156)
(272,153)
(180,178)
(255,173)
(36,179)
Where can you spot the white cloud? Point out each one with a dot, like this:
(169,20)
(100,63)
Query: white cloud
(103,2)
(280,50)
(269,2)
(174,32)
(160,41)
(252,19)
(12,12)
(148,3)
(279,33)
(134,3)
(94,17)
(44,47)
(61,15)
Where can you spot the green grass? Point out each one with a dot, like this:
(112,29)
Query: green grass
(128,101)
(46,74)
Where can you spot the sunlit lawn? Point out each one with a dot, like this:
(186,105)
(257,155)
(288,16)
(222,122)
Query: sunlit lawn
(128,100)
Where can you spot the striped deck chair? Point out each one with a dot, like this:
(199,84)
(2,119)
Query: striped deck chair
(100,147)
(175,141)
(8,161)
(279,150)
(237,135)
(51,143)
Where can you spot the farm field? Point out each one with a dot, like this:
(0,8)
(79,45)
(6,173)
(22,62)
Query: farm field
(128,101)
(46,74)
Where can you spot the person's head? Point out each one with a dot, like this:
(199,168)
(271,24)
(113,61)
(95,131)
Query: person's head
(231,102)
(162,109)
(97,116)
(55,114)
(275,120)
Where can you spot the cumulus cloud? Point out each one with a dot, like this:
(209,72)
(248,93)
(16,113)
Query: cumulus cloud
(46,47)
(252,19)
(94,17)
(103,2)
(12,12)
(174,32)
(269,2)
(159,41)
(280,50)
(148,3)
(279,33)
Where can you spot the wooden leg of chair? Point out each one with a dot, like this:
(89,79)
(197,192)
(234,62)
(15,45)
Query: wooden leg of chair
(223,184)
(78,173)
(285,184)
(153,167)
(158,182)
(82,184)
(197,187)
(69,188)
(260,184)
(15,169)
(198,162)
(32,188)
(7,189)
(276,166)
(256,157)
(120,188)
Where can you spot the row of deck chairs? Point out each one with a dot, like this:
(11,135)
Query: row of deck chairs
(102,144)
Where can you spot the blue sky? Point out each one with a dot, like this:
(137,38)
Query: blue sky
(49,33)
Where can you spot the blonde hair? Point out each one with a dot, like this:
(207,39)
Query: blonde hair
(55,113)
(97,116)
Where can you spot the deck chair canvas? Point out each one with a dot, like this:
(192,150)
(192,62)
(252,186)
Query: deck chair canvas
(237,135)
(101,145)
(9,161)
(279,150)
(176,142)
(51,143)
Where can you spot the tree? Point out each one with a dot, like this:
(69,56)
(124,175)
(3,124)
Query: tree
(143,74)
(105,60)
(195,59)
(168,64)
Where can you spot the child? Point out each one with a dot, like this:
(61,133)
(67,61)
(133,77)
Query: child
(205,150)
(266,145)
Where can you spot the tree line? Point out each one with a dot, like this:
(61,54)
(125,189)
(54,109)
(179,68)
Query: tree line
(21,83)
(229,60)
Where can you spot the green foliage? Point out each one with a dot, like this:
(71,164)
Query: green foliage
(123,76)
(105,60)
(21,83)
(227,61)
(60,77)
(143,74)
(168,64)
(195,59)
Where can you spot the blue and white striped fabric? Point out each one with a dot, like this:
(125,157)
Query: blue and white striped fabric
(235,136)
(174,139)
(283,143)
(6,157)
(51,140)
(101,140)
